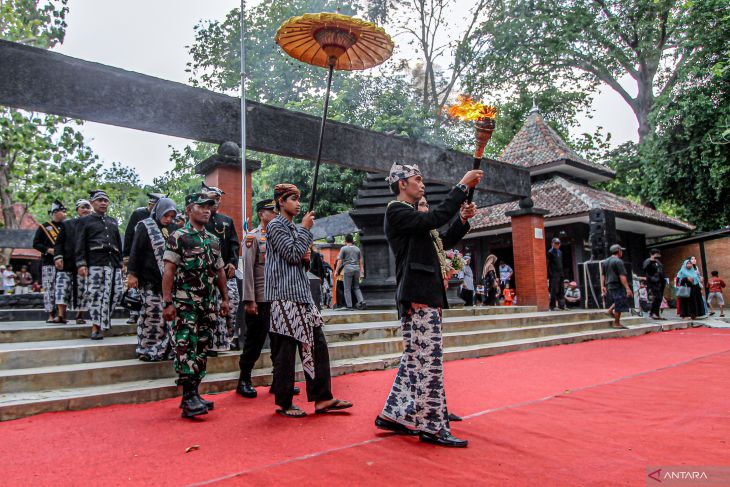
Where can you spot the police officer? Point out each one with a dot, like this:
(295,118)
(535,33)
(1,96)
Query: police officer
(222,227)
(70,288)
(44,242)
(193,269)
(137,216)
(99,260)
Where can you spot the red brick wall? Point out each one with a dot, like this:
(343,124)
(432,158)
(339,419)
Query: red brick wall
(530,261)
(228,179)
(717,253)
(673,258)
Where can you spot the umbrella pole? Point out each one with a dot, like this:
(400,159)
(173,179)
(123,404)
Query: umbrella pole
(321,138)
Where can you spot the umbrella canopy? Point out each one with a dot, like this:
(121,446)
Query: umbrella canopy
(330,39)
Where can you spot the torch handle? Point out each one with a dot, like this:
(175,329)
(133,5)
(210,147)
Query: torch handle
(477,165)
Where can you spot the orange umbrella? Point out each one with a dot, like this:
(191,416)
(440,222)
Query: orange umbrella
(334,41)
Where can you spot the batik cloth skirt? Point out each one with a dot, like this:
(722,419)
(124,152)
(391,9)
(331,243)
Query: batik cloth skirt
(48,280)
(71,290)
(153,333)
(297,320)
(224,331)
(104,287)
(417,398)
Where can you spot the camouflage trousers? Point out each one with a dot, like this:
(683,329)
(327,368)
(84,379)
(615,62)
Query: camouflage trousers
(153,333)
(48,280)
(417,398)
(104,288)
(192,335)
(224,331)
(71,290)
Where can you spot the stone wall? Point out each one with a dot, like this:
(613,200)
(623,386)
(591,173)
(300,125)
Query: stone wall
(21,301)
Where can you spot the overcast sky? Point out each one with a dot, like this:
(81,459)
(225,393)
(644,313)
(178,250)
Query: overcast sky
(149,36)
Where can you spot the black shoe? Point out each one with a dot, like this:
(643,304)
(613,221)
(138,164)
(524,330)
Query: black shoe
(453,417)
(212,353)
(145,358)
(191,404)
(361,305)
(246,389)
(392,426)
(442,438)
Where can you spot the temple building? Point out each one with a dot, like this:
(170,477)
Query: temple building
(586,219)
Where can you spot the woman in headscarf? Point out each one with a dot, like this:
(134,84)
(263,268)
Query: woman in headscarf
(491,283)
(145,270)
(690,306)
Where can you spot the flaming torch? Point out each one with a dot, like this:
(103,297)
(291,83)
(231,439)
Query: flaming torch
(467,109)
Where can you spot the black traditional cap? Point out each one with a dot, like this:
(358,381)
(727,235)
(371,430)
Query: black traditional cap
(56,206)
(198,199)
(155,197)
(265,205)
(96,194)
(212,189)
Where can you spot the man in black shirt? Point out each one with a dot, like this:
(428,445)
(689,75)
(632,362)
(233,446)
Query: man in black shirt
(137,216)
(615,285)
(222,227)
(555,275)
(656,281)
(417,400)
(45,242)
(70,288)
(99,259)
(145,269)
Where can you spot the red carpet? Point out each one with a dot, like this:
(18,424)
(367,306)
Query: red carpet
(596,413)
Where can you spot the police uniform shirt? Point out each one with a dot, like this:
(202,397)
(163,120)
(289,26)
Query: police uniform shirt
(254,265)
(222,227)
(98,242)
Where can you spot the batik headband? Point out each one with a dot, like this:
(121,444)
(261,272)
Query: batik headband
(402,171)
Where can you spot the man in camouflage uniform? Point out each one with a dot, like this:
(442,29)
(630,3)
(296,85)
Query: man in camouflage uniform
(193,270)
(222,227)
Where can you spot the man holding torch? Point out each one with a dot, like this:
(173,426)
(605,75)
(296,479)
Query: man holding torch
(416,404)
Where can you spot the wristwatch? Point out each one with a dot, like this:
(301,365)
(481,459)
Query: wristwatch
(462,187)
(168,303)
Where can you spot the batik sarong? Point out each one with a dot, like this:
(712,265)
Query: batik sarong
(104,286)
(70,290)
(417,398)
(297,320)
(224,330)
(48,280)
(153,333)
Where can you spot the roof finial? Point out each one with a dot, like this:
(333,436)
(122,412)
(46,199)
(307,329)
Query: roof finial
(534,108)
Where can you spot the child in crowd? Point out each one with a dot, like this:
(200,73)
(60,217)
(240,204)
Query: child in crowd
(716,284)
(509,294)
(479,295)
(36,287)
(644,304)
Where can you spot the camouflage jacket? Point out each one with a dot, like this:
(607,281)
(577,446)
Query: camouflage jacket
(197,255)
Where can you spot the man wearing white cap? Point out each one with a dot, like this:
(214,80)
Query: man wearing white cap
(70,287)
(416,404)
(99,259)
(44,242)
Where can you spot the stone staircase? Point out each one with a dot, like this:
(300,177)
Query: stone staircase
(56,367)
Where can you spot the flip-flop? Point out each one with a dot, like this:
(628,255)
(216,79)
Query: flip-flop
(335,406)
(292,412)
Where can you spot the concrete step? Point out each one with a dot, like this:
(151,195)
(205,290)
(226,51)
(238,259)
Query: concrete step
(109,366)
(17,331)
(15,355)
(26,403)
(37,314)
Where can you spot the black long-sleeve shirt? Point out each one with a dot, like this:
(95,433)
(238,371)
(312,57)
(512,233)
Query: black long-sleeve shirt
(45,239)
(65,248)
(142,261)
(98,242)
(137,216)
(222,227)
(555,263)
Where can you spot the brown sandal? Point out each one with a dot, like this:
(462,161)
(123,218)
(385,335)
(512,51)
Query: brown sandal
(292,412)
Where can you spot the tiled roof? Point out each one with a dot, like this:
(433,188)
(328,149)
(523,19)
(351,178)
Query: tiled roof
(562,197)
(537,143)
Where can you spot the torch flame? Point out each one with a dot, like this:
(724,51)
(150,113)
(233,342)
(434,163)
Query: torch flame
(468,109)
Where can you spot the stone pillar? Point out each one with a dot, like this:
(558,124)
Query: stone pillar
(223,170)
(528,246)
